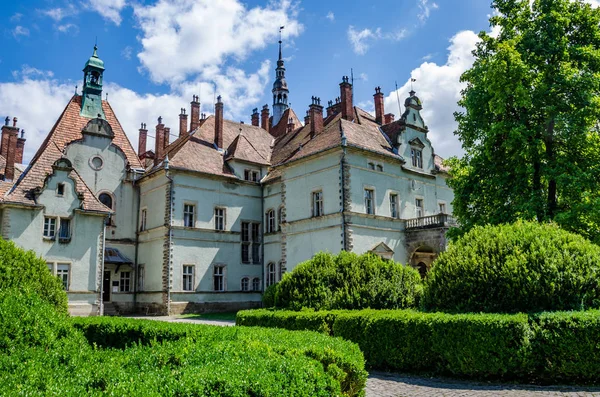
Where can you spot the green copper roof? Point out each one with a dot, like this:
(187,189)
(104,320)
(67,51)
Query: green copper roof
(94,60)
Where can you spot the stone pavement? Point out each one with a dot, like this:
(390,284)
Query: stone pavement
(176,319)
(381,384)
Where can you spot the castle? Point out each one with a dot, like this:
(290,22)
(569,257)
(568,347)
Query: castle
(207,220)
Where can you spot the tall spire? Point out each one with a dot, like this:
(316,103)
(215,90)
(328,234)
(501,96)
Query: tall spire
(280,88)
(91,102)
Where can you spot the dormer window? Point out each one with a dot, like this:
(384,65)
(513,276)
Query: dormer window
(60,189)
(416,156)
(251,175)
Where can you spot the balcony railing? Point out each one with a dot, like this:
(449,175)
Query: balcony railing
(425,222)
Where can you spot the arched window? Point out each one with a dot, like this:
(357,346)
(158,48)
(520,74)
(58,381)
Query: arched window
(245,284)
(270,274)
(108,201)
(256,284)
(270,221)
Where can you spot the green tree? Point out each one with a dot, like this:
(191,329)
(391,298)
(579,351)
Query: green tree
(530,122)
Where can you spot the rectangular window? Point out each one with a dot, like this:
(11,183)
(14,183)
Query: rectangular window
(442,207)
(369,207)
(255,176)
(140,278)
(64,232)
(189,212)
(271,274)
(143,219)
(251,175)
(247,175)
(49,227)
(379,167)
(62,272)
(270,221)
(256,243)
(219,278)
(416,156)
(60,189)
(219,218)
(250,242)
(188,277)
(419,207)
(317,203)
(393,205)
(125,285)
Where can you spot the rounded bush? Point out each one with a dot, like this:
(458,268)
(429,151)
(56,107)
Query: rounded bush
(268,297)
(349,281)
(520,267)
(24,270)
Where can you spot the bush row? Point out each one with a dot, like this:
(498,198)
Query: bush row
(562,346)
(327,366)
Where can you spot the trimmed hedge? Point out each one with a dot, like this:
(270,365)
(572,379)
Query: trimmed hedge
(24,270)
(337,361)
(347,281)
(561,346)
(520,267)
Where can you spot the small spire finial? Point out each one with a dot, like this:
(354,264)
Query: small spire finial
(280,29)
(95,54)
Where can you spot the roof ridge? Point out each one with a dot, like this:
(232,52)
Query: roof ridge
(253,147)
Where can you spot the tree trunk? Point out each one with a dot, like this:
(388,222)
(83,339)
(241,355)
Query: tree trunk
(551,156)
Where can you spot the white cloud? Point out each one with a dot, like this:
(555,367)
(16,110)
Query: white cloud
(182,38)
(16,17)
(59,13)
(361,40)
(126,53)
(20,31)
(425,9)
(68,27)
(330,16)
(27,72)
(109,9)
(438,87)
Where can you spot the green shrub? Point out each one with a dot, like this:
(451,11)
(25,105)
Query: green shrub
(268,297)
(305,320)
(28,320)
(567,345)
(349,281)
(522,267)
(24,270)
(341,363)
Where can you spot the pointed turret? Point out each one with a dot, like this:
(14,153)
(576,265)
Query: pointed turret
(280,90)
(91,102)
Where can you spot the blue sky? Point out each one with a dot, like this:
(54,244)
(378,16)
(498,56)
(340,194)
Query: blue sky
(159,53)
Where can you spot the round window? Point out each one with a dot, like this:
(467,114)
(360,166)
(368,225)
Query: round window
(96,162)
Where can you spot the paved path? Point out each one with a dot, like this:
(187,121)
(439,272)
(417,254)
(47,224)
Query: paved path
(381,384)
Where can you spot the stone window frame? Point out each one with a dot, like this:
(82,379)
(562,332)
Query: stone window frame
(373,199)
(222,274)
(247,284)
(185,275)
(422,199)
(125,282)
(280,217)
(271,273)
(416,156)
(313,203)
(270,221)
(443,203)
(143,219)
(194,206)
(54,271)
(223,220)
(113,201)
(394,193)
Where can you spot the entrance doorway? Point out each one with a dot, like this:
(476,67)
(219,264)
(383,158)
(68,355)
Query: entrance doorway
(106,286)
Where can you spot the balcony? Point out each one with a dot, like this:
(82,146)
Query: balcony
(430,222)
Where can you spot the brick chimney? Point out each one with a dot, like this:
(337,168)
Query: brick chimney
(346,99)
(9,140)
(20,148)
(378,98)
(255,117)
(182,122)
(219,123)
(159,142)
(315,113)
(307,118)
(167,138)
(195,113)
(264,118)
(143,137)
(290,124)
(5,136)
(388,118)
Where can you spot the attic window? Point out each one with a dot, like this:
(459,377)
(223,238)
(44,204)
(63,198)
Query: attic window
(60,189)
(251,175)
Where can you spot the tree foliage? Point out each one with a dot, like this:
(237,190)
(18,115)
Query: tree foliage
(530,122)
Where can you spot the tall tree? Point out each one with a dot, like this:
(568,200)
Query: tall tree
(530,122)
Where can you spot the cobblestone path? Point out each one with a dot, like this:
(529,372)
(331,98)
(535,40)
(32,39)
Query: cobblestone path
(381,384)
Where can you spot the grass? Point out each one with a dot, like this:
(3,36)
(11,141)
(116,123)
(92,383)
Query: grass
(228,316)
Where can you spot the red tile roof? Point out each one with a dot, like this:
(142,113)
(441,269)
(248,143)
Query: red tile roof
(67,129)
